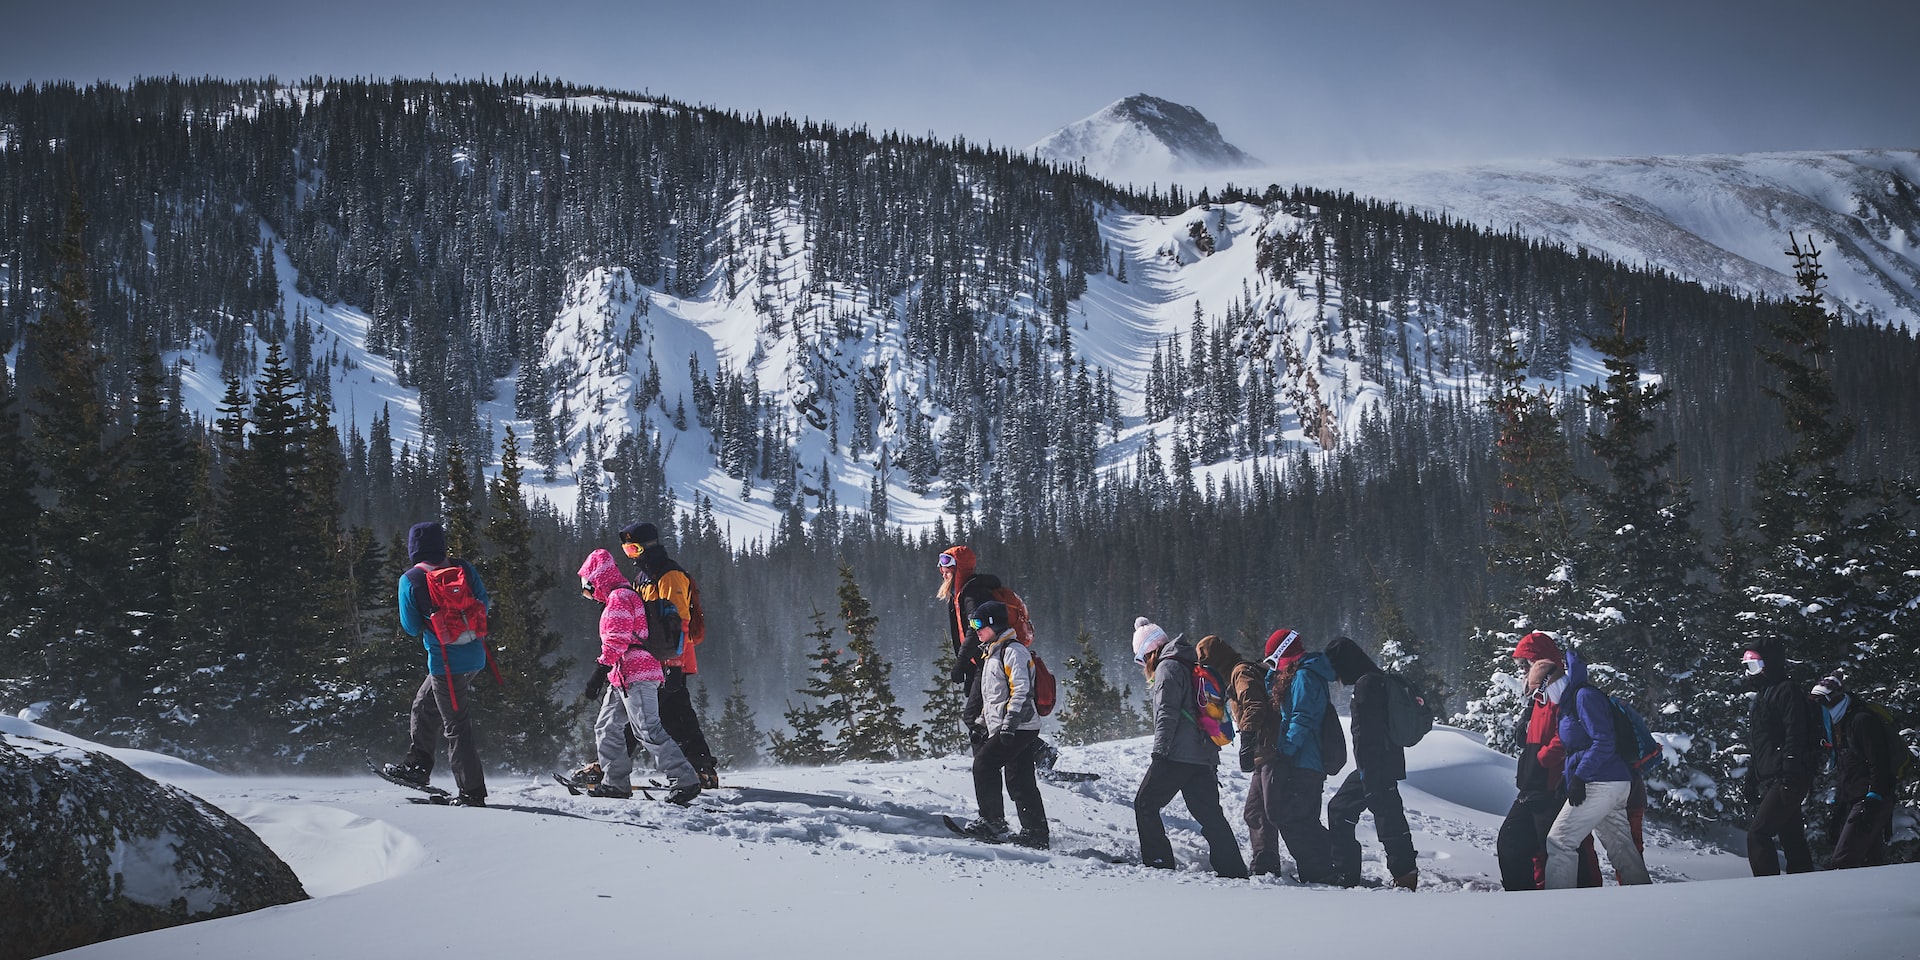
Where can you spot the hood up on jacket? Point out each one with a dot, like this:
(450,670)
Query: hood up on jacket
(963,563)
(1775,660)
(1349,661)
(1576,674)
(602,574)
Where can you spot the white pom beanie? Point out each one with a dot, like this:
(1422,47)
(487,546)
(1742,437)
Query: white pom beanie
(1147,637)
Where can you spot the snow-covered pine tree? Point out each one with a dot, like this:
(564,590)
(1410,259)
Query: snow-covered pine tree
(942,730)
(1534,523)
(1644,620)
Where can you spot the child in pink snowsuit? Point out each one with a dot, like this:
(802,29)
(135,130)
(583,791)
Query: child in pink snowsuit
(633,687)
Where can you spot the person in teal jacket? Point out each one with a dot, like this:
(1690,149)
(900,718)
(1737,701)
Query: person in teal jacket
(1297,683)
(441,705)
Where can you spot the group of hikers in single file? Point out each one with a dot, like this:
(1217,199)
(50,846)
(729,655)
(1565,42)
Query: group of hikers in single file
(1577,778)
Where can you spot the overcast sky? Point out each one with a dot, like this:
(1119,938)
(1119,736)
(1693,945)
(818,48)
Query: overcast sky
(1308,83)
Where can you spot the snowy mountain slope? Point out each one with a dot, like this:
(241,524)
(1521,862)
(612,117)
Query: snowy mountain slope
(824,862)
(1718,220)
(1142,139)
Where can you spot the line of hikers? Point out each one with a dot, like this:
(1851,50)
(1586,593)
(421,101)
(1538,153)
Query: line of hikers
(1573,784)
(650,629)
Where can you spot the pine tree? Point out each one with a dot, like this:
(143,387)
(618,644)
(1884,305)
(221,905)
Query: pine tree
(1644,622)
(876,728)
(943,730)
(1093,710)
(828,697)
(77,626)
(736,736)
(19,522)
(524,647)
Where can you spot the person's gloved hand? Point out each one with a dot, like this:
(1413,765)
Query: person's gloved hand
(1576,791)
(597,683)
(1248,751)
(1005,738)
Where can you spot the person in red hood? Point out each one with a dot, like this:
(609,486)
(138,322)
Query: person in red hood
(962,591)
(1522,842)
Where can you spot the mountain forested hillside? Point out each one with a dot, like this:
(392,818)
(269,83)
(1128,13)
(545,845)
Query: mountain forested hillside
(804,345)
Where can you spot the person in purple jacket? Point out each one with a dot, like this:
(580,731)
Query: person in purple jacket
(1598,782)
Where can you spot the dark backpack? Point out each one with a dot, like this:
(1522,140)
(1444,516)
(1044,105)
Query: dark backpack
(1333,740)
(665,637)
(1905,767)
(457,615)
(1409,716)
(1631,738)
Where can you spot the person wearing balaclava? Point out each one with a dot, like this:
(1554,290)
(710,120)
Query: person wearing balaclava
(1861,747)
(1783,742)
(663,578)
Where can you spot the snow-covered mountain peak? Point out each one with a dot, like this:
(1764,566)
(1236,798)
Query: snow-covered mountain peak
(1143,138)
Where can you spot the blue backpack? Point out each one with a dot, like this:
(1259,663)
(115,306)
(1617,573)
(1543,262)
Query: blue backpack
(1631,737)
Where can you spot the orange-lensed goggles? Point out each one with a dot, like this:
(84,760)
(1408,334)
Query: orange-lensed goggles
(633,550)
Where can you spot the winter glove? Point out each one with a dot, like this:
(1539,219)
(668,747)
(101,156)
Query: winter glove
(1005,738)
(1247,754)
(1576,791)
(965,661)
(597,684)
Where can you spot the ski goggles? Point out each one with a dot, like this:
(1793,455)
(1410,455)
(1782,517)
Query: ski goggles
(633,550)
(1752,662)
(947,561)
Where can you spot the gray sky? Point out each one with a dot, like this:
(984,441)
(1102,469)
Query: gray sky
(1312,83)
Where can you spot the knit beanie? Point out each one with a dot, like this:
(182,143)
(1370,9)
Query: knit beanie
(644,534)
(1147,637)
(992,614)
(1538,645)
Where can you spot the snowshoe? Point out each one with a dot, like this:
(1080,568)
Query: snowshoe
(586,776)
(406,775)
(985,831)
(613,790)
(1031,839)
(683,796)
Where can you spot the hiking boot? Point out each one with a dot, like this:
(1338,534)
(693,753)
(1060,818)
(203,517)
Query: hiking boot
(1031,839)
(1408,880)
(683,795)
(613,790)
(412,773)
(709,778)
(586,776)
(994,829)
(470,800)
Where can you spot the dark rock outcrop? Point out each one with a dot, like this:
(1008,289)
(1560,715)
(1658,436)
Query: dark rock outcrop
(91,850)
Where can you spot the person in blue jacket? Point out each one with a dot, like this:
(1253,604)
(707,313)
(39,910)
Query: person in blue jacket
(1297,684)
(1598,783)
(441,705)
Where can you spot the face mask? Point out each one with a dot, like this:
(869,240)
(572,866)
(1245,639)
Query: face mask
(1838,710)
(1555,689)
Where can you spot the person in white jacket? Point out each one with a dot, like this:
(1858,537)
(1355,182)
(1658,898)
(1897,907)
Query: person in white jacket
(1013,733)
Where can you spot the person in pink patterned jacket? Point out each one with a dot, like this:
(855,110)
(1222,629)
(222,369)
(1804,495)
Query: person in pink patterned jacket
(633,688)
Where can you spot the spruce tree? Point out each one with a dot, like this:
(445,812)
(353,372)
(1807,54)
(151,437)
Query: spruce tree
(1094,710)
(828,695)
(79,623)
(736,736)
(876,727)
(524,647)
(943,730)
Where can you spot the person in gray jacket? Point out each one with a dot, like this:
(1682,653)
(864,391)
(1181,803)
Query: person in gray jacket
(1185,759)
(1012,724)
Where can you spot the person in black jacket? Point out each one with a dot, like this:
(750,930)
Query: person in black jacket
(1784,760)
(1861,747)
(1379,766)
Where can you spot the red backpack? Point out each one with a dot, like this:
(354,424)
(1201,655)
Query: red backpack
(1046,692)
(458,615)
(1017,616)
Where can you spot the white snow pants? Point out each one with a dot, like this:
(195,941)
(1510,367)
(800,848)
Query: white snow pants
(1603,814)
